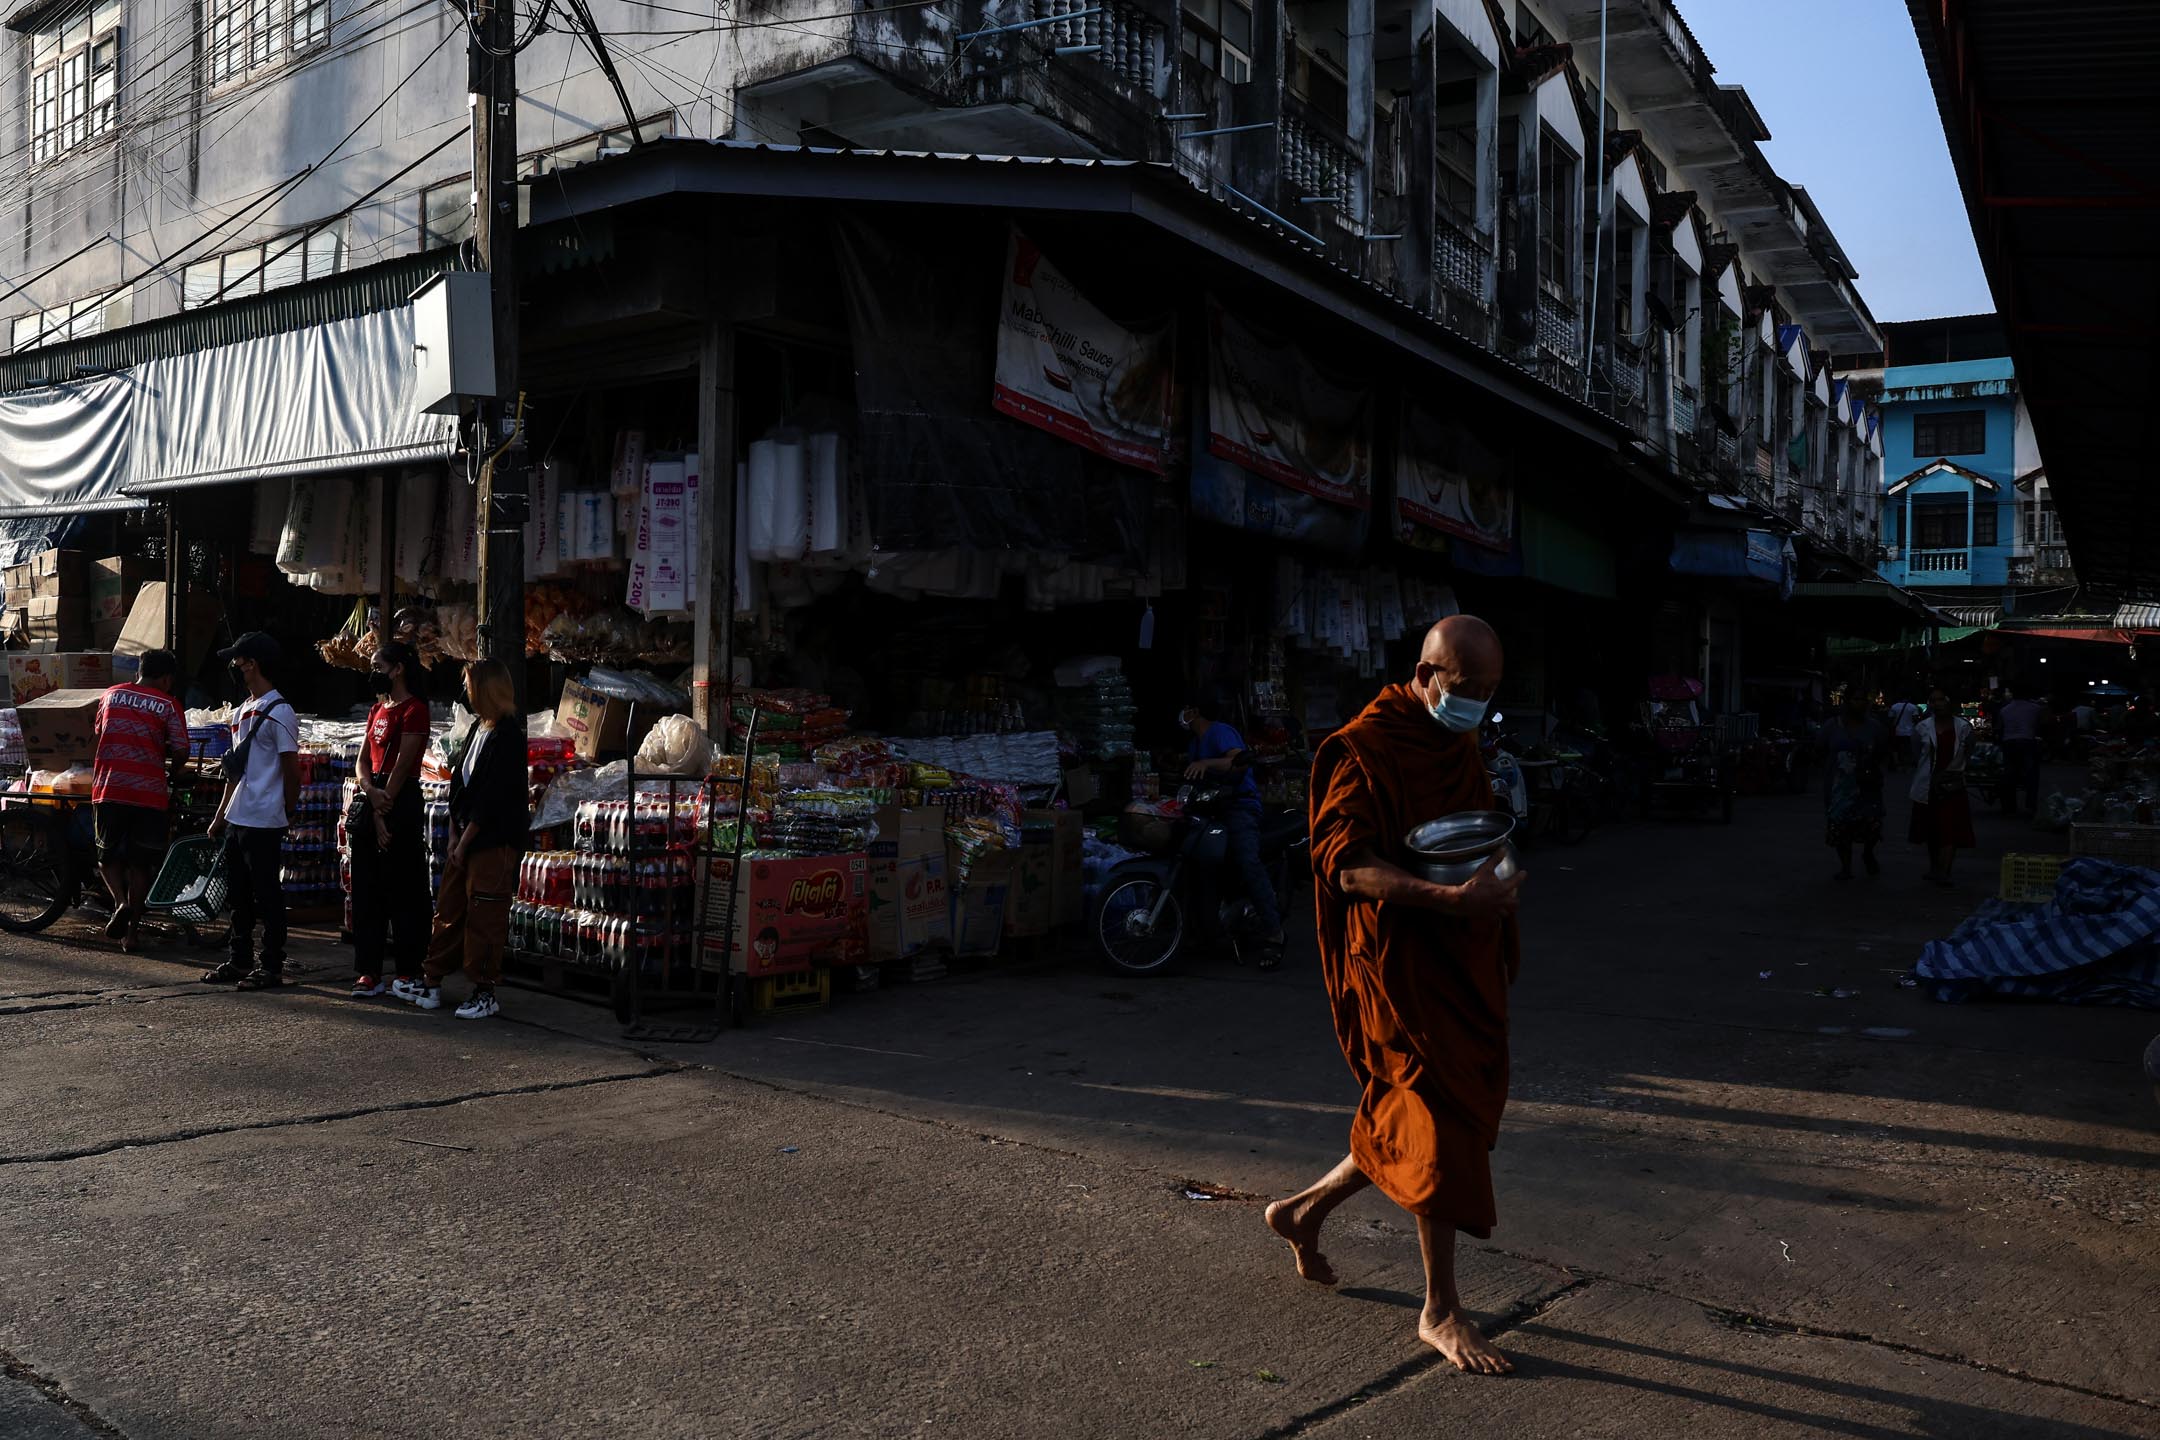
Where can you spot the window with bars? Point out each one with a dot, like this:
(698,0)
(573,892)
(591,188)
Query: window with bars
(74,80)
(277,262)
(1940,433)
(91,315)
(1218,34)
(1556,213)
(244,36)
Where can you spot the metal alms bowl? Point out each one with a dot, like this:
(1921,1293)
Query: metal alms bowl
(1450,850)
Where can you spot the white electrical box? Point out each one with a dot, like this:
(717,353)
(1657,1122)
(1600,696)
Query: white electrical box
(453,341)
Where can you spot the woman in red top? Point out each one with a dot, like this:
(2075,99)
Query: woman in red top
(387,827)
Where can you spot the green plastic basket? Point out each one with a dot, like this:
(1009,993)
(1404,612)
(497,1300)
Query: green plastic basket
(190,886)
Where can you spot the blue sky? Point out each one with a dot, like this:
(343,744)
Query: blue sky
(1853,120)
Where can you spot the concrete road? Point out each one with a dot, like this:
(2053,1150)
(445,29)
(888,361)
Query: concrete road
(1733,1201)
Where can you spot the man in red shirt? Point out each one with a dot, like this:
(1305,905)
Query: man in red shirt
(141,735)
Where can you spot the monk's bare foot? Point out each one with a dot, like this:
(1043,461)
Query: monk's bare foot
(1304,1237)
(1459,1339)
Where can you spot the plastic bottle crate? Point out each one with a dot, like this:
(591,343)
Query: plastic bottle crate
(2030,879)
(2124,844)
(791,994)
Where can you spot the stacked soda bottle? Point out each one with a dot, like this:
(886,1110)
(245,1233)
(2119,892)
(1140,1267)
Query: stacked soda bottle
(309,861)
(625,895)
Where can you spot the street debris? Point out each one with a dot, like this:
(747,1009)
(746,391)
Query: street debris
(1201,1364)
(1787,1248)
(1829,994)
(431,1144)
(1199,1191)
(791,1149)
(1764,974)
(1269,1376)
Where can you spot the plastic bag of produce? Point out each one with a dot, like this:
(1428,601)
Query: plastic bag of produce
(675,746)
(266,536)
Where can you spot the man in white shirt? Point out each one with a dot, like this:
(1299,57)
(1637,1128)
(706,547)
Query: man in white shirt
(262,787)
(1905,723)
(2019,721)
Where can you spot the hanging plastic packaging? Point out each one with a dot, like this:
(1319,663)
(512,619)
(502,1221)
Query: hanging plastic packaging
(694,554)
(762,478)
(828,513)
(543,543)
(368,550)
(272,499)
(460,536)
(627,474)
(791,496)
(745,568)
(596,526)
(418,560)
(299,520)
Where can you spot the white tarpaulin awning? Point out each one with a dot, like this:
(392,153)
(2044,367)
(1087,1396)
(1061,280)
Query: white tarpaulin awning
(336,396)
(64,448)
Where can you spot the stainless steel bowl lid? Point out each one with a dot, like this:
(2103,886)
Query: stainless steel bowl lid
(1462,836)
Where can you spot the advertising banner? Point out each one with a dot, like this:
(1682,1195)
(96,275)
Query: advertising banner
(1449,480)
(1066,367)
(1272,412)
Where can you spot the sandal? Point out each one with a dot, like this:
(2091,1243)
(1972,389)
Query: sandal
(232,972)
(260,979)
(123,916)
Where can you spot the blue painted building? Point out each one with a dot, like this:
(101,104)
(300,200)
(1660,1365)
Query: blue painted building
(1966,518)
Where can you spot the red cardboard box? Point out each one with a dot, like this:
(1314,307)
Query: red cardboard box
(790,915)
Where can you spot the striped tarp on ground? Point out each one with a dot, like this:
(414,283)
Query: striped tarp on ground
(2097,942)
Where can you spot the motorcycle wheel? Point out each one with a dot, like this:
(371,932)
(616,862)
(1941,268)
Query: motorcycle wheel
(1124,940)
(37,880)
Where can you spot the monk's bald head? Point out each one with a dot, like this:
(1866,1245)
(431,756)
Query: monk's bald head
(1461,656)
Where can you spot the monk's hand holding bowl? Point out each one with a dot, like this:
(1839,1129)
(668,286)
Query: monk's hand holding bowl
(1485,893)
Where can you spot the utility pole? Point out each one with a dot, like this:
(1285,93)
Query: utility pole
(504,499)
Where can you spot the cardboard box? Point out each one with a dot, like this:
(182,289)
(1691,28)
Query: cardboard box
(56,573)
(1027,905)
(104,634)
(112,585)
(1068,866)
(20,578)
(599,724)
(790,915)
(59,728)
(978,905)
(907,882)
(145,627)
(32,675)
(59,619)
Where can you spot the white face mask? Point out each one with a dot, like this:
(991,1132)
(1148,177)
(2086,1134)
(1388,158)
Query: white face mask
(1457,712)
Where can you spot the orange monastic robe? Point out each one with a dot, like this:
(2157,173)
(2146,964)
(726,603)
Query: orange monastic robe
(1419,998)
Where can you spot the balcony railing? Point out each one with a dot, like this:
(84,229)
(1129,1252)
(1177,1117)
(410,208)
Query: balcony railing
(1314,162)
(1937,562)
(1459,258)
(1131,39)
(1683,410)
(1556,328)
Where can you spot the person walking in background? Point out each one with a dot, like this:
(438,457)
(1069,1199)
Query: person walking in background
(2018,725)
(1941,810)
(1904,723)
(1854,749)
(1218,750)
(262,787)
(386,829)
(141,736)
(490,811)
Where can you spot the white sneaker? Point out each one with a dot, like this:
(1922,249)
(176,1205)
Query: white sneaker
(481,1006)
(418,992)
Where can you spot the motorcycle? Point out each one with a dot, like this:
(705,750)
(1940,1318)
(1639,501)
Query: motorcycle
(1152,908)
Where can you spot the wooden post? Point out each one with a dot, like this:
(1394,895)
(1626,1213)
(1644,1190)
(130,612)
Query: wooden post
(173,571)
(713,646)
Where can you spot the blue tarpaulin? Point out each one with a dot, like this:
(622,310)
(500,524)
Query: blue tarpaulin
(2096,942)
(1735,555)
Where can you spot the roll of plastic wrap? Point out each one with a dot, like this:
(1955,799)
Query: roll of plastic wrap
(757,498)
(299,516)
(791,496)
(828,495)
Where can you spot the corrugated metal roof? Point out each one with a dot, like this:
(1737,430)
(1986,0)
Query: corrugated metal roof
(1167,182)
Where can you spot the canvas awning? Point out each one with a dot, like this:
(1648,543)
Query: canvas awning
(317,398)
(64,448)
(336,396)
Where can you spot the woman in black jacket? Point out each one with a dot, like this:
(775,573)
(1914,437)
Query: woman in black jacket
(489,813)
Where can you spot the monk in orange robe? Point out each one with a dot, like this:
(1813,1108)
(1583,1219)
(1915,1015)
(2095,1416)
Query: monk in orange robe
(1417,974)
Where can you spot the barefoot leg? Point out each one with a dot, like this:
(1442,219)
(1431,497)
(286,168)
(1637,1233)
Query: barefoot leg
(1444,1325)
(1297,1219)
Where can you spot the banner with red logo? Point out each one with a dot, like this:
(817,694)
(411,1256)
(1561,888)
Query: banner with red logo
(1271,411)
(1448,479)
(1066,367)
